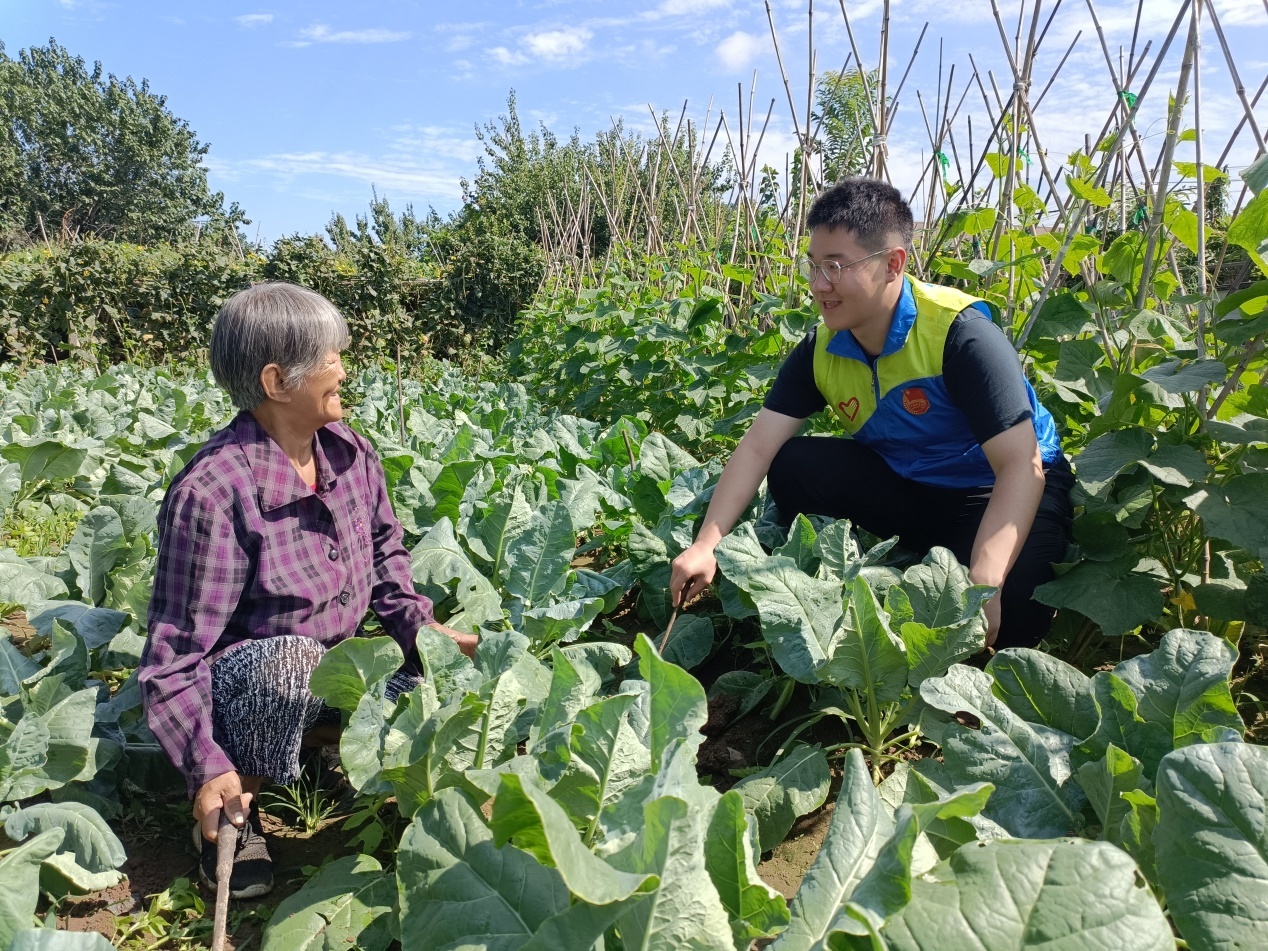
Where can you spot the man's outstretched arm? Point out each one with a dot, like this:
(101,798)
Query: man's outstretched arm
(694,568)
(1019,483)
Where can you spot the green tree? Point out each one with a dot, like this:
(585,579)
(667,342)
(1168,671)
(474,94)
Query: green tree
(83,153)
(841,105)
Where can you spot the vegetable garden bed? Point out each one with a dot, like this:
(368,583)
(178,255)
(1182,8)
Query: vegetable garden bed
(1051,790)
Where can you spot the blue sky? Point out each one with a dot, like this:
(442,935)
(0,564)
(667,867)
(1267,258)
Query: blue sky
(308,106)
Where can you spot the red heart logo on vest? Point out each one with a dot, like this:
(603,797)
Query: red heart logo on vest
(849,408)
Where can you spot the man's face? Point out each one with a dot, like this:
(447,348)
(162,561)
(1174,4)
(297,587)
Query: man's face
(857,297)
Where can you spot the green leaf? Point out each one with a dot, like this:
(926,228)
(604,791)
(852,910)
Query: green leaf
(1183,376)
(1120,724)
(97,626)
(886,888)
(1108,455)
(799,614)
(438,562)
(352,667)
(1184,685)
(1212,844)
(95,549)
(45,460)
(661,459)
(538,560)
(350,900)
(784,791)
(1105,781)
(1109,593)
(859,828)
(604,758)
(447,668)
(679,707)
(22,584)
(47,939)
(1136,833)
(1028,763)
(20,882)
(686,910)
(940,592)
(502,522)
(756,910)
(458,889)
(1088,192)
(1041,689)
(869,659)
(525,814)
(1065,895)
(1256,174)
(1236,511)
(15,667)
(801,545)
(88,849)
(690,642)
(1249,229)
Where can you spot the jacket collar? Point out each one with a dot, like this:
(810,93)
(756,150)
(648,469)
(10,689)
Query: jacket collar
(276,480)
(843,344)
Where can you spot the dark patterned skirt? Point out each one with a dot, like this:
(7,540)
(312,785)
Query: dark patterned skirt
(261,705)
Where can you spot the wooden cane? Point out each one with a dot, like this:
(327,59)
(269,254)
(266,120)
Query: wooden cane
(226,845)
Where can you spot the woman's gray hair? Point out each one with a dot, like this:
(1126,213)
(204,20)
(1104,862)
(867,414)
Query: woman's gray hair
(276,322)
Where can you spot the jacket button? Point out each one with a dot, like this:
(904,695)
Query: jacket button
(334,554)
(344,597)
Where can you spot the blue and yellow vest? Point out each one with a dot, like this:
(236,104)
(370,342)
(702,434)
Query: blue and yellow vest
(898,404)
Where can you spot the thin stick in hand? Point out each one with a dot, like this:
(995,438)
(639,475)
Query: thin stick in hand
(226,845)
(664,639)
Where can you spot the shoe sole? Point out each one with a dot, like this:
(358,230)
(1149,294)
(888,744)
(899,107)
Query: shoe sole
(251,891)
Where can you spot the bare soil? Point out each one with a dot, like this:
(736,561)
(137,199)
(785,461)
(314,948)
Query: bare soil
(156,861)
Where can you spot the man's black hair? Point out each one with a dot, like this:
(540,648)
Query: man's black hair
(866,207)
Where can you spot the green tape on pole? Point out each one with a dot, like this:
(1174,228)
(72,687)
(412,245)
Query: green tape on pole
(1129,98)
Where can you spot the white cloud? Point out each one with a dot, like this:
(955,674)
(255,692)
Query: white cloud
(321,33)
(1241,13)
(566,47)
(506,57)
(558,45)
(250,20)
(680,7)
(739,49)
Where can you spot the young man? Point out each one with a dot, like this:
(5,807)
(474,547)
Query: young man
(949,445)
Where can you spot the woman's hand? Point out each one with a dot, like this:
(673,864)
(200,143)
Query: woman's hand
(466,642)
(222,793)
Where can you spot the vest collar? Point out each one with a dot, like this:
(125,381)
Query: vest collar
(843,344)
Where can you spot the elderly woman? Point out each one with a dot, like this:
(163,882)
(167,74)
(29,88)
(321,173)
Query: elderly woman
(273,542)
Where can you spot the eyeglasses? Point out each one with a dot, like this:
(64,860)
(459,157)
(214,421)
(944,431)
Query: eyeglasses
(831,270)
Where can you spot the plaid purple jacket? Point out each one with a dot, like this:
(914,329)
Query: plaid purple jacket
(248,551)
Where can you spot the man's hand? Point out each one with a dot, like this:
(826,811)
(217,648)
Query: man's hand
(691,573)
(991,609)
(466,642)
(224,792)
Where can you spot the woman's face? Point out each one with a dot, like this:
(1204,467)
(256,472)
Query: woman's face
(316,400)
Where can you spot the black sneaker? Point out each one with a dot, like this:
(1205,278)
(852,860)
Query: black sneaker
(252,868)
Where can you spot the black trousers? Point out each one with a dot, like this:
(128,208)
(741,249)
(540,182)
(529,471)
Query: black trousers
(840,478)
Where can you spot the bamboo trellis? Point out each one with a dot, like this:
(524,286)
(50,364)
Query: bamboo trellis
(659,197)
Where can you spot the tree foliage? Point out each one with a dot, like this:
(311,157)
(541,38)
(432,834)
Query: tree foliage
(84,153)
(841,107)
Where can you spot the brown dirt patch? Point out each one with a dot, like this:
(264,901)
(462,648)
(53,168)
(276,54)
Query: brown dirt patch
(787,863)
(156,861)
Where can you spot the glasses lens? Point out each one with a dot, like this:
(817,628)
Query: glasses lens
(806,269)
